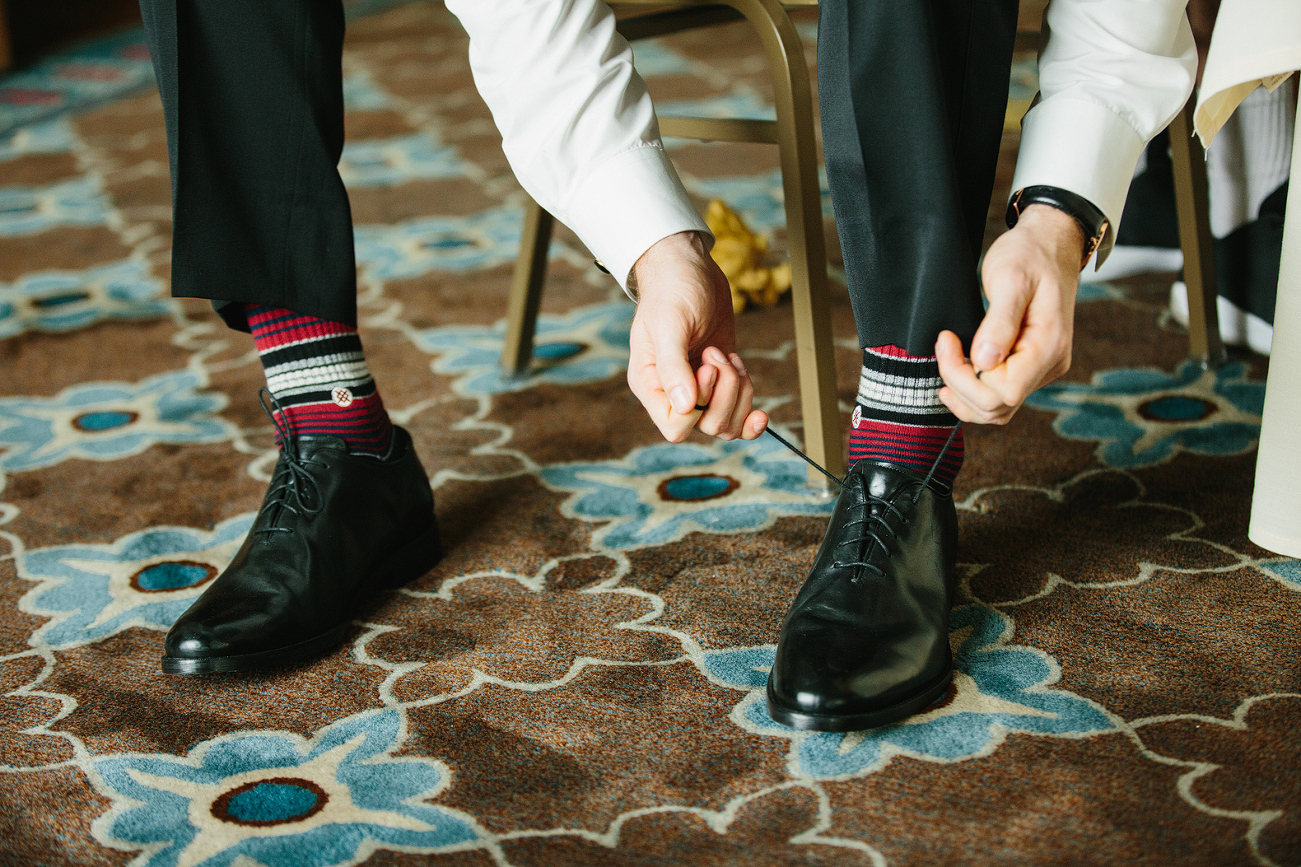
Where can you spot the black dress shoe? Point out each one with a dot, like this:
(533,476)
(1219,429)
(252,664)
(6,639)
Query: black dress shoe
(333,527)
(866,641)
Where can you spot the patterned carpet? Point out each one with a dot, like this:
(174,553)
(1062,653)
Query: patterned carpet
(579,682)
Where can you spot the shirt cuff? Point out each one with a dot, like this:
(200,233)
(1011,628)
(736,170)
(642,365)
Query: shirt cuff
(631,201)
(1083,147)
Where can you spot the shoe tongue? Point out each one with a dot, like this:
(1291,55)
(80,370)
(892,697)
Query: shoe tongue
(887,482)
(312,444)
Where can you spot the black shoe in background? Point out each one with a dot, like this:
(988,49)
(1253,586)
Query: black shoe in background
(1246,259)
(333,527)
(866,641)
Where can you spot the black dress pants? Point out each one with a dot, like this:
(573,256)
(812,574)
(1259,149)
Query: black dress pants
(913,96)
(253,95)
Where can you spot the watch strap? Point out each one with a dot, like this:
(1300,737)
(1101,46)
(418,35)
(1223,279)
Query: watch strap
(1091,220)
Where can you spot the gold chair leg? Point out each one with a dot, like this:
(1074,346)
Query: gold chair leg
(810,294)
(526,290)
(1189,163)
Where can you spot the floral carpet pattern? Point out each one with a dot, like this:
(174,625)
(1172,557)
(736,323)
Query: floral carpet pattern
(580,680)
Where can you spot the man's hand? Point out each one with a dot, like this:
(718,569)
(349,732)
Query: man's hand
(683,342)
(1031,275)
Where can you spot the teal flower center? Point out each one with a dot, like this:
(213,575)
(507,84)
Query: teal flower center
(706,486)
(447,242)
(102,420)
(173,575)
(24,205)
(1177,407)
(270,802)
(558,351)
(59,300)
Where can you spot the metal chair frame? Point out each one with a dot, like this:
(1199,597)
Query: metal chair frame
(793,133)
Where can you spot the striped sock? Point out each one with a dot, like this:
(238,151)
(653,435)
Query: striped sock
(899,419)
(317,372)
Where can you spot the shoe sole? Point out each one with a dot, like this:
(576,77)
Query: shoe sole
(406,564)
(817,722)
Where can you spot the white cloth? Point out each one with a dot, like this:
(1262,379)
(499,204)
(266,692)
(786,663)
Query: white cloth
(1112,74)
(577,123)
(1251,157)
(1255,43)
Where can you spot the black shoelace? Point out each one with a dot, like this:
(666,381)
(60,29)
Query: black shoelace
(293,490)
(873,520)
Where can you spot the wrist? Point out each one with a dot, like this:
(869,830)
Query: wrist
(679,246)
(1055,230)
(1091,223)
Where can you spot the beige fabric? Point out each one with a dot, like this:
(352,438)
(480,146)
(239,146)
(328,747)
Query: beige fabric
(1276,499)
(1258,42)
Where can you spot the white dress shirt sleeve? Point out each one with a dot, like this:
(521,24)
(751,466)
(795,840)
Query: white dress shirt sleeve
(1112,74)
(577,123)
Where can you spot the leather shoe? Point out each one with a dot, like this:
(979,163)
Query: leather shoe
(333,527)
(866,642)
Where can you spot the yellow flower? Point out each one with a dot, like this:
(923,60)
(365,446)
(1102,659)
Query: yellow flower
(738,252)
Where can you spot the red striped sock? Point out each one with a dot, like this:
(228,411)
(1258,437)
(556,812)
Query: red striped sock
(317,372)
(899,419)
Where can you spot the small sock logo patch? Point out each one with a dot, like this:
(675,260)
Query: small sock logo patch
(857,418)
(341,396)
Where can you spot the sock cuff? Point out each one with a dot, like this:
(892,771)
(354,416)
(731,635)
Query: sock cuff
(898,387)
(318,373)
(276,327)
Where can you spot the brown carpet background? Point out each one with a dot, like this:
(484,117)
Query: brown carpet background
(578,681)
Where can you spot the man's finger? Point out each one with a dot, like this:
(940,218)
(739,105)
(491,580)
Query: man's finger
(742,410)
(961,377)
(1009,296)
(706,379)
(755,424)
(717,419)
(673,367)
(644,381)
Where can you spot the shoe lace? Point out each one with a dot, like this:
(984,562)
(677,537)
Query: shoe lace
(877,510)
(293,489)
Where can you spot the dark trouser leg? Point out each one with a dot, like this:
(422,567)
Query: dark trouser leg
(913,96)
(252,91)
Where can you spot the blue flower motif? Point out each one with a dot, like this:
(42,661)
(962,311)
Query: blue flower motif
(998,688)
(360,93)
(660,493)
(49,137)
(760,199)
(587,344)
(417,247)
(1098,292)
(1143,416)
(387,162)
(280,800)
(742,104)
(67,300)
(653,57)
(1284,570)
(75,202)
(147,578)
(90,74)
(104,421)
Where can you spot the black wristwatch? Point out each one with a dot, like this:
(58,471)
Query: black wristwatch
(1092,221)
